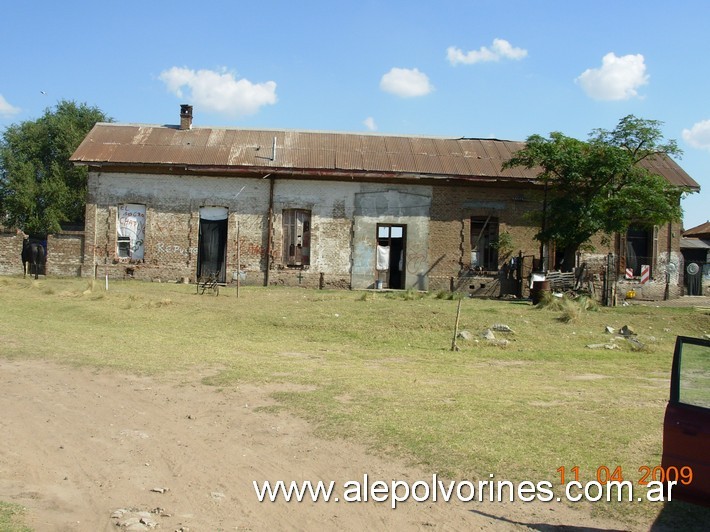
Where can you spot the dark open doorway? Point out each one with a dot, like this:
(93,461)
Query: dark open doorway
(391,254)
(212,246)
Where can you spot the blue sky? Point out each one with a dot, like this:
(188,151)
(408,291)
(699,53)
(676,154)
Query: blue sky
(477,68)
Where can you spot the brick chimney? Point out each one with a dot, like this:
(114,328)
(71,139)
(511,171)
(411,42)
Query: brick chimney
(185,116)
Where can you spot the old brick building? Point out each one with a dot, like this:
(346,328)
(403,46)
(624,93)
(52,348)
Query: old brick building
(319,209)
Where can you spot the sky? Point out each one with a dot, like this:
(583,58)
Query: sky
(451,68)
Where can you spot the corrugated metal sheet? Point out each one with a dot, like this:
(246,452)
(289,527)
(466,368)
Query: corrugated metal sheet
(694,243)
(308,151)
(702,230)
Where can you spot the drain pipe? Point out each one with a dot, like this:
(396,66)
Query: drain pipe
(270,229)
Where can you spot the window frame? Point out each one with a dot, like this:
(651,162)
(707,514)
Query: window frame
(133,232)
(487,255)
(296,226)
(646,236)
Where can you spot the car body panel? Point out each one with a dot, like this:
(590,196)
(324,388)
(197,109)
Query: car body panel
(686,426)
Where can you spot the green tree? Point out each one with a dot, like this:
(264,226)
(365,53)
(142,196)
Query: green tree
(39,188)
(602,185)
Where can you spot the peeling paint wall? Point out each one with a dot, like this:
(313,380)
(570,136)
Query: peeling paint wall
(343,218)
(408,206)
(172,223)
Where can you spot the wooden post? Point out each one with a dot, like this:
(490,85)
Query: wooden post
(454,347)
(239,260)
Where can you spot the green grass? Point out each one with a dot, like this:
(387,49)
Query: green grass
(378,368)
(11,516)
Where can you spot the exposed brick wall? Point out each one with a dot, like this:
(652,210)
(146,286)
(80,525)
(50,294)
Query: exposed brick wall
(344,217)
(172,227)
(65,252)
(10,252)
(450,229)
(172,223)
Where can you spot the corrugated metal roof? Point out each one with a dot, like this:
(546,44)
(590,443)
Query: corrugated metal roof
(701,230)
(694,243)
(309,152)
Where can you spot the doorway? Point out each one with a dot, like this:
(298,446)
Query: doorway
(391,255)
(212,244)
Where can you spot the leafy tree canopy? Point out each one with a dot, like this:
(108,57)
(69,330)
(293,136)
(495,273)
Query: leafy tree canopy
(601,185)
(39,188)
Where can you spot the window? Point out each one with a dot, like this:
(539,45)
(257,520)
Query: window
(694,381)
(484,240)
(124,247)
(296,237)
(130,231)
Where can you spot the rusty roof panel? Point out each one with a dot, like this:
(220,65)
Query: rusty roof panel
(698,231)
(447,147)
(302,158)
(135,144)
(397,145)
(670,169)
(454,165)
(422,146)
(481,167)
(217,137)
(104,152)
(347,143)
(349,160)
(493,150)
(402,162)
(376,162)
(124,153)
(372,144)
(107,135)
(427,164)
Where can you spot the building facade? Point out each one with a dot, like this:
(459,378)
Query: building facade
(324,210)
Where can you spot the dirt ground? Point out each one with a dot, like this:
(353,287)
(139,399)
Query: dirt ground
(79,444)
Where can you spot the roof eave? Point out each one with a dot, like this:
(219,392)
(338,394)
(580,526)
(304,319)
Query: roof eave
(250,171)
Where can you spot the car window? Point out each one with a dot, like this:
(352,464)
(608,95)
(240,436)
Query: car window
(694,385)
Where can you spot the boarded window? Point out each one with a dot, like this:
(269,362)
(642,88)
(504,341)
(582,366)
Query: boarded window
(296,237)
(484,240)
(130,231)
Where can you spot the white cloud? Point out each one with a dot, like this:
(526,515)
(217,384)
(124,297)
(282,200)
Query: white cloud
(617,79)
(406,82)
(219,92)
(7,110)
(698,136)
(370,123)
(500,49)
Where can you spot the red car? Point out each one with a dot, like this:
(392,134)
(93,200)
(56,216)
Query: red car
(686,427)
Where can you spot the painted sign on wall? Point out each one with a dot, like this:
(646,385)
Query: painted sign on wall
(131,230)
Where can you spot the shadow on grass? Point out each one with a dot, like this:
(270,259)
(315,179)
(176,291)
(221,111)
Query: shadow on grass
(546,527)
(677,515)
(674,515)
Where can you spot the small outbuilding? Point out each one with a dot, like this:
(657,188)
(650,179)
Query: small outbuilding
(695,247)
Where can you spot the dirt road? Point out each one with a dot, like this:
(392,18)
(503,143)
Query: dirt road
(79,444)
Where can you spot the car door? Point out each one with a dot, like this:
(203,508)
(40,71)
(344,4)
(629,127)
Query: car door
(686,427)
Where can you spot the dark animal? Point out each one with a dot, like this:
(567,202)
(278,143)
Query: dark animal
(32,252)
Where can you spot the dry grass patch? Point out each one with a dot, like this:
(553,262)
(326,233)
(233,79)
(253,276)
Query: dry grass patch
(378,368)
